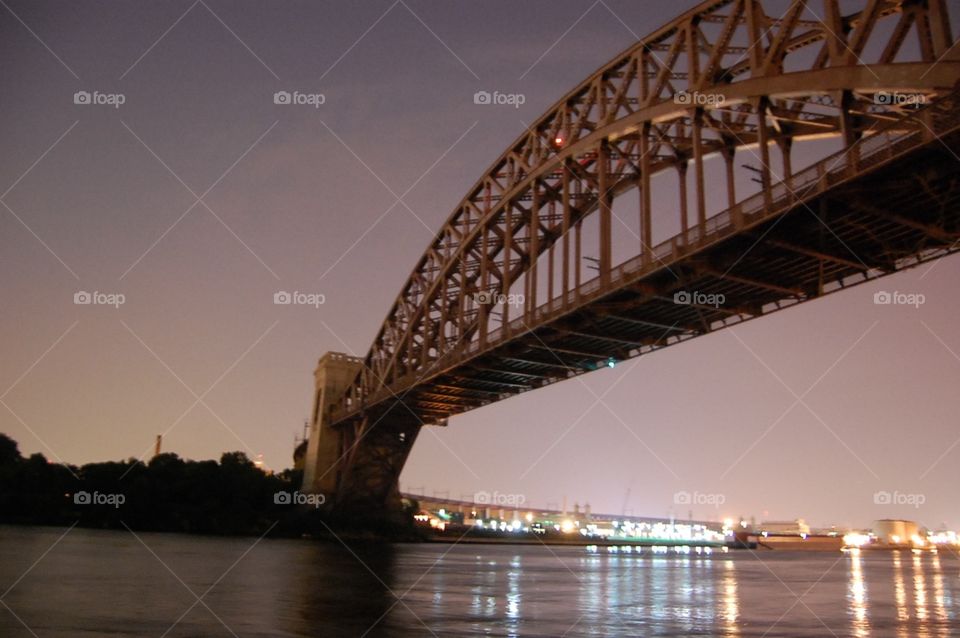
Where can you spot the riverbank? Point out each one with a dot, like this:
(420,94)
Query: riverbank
(229,497)
(462,535)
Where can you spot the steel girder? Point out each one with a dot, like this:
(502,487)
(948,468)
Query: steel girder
(720,78)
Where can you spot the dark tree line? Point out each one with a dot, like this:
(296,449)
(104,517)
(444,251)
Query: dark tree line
(167,494)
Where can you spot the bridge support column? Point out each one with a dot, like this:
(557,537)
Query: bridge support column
(326,445)
(370,482)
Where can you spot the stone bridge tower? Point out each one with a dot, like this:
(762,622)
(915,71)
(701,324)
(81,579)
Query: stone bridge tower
(326,445)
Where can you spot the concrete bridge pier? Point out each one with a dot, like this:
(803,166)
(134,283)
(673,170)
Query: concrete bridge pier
(379,445)
(355,465)
(326,447)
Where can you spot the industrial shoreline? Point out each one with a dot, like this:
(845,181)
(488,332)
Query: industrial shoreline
(498,519)
(782,543)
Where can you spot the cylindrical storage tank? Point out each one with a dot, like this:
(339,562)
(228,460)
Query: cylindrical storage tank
(895,531)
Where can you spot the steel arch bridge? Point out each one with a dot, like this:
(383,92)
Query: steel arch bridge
(520,288)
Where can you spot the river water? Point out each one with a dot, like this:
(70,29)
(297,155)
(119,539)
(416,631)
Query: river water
(108,583)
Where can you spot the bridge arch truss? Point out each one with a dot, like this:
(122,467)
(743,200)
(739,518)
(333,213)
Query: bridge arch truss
(496,304)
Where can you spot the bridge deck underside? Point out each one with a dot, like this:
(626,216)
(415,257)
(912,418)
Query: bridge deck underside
(894,217)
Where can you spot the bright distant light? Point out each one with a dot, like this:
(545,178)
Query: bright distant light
(566,526)
(558,140)
(853,539)
(945,538)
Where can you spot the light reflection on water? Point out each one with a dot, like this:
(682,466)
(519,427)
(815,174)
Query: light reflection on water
(731,608)
(858,595)
(106,583)
(939,599)
(919,588)
(903,612)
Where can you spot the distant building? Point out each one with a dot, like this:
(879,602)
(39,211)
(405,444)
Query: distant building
(891,531)
(796,527)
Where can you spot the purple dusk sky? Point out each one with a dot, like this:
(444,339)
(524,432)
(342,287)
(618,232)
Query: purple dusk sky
(806,413)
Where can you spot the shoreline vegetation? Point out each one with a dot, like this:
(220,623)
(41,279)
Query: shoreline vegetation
(229,497)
